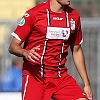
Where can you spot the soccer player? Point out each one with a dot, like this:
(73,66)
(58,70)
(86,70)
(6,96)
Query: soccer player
(48,30)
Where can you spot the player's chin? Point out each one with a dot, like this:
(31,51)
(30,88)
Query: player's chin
(66,4)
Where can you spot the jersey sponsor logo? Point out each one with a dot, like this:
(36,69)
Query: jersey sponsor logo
(58,33)
(64,33)
(72,22)
(57,18)
(26,15)
(22,22)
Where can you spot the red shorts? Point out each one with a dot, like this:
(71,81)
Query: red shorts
(38,88)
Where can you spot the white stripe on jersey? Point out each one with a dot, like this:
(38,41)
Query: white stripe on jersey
(62,50)
(42,58)
(67,19)
(44,50)
(48,13)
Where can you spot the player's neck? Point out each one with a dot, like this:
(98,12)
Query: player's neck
(56,7)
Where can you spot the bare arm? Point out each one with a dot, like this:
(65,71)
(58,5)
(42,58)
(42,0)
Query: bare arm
(79,61)
(16,49)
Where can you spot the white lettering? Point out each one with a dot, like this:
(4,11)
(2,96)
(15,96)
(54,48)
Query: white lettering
(26,15)
(57,18)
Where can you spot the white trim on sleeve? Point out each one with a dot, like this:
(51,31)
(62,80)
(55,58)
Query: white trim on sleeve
(16,36)
(81,41)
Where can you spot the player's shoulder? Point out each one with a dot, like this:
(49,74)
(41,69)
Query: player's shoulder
(40,7)
(73,12)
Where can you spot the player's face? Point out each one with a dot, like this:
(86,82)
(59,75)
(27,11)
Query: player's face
(64,2)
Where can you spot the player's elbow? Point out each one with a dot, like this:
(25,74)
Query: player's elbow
(10,49)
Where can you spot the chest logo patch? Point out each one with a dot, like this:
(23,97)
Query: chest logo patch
(72,22)
(22,22)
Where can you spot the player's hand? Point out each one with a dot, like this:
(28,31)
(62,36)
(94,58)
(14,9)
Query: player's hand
(32,55)
(88,91)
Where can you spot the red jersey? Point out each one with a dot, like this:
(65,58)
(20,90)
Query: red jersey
(63,29)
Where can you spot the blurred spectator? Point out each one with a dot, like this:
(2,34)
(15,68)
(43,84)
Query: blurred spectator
(11,80)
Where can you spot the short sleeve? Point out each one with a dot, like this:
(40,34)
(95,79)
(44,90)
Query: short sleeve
(76,38)
(24,27)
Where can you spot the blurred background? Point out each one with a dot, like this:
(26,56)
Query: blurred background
(11,12)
